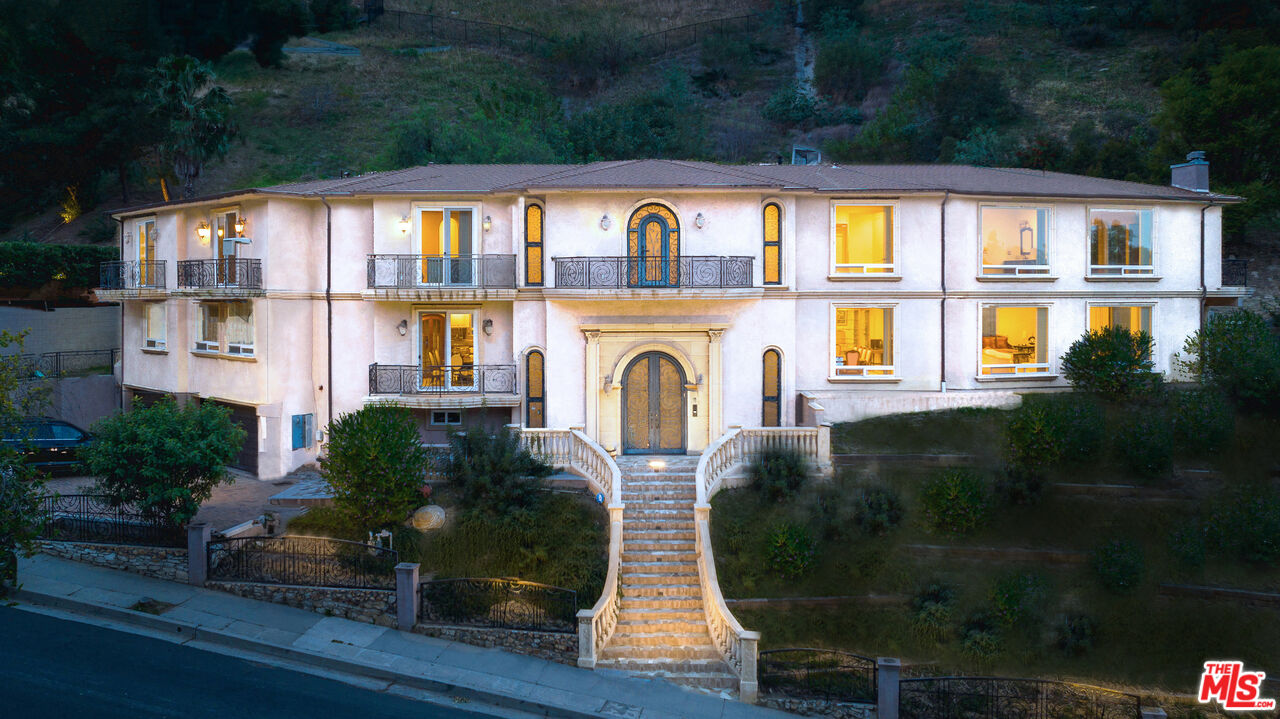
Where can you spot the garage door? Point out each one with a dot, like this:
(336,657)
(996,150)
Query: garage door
(247,417)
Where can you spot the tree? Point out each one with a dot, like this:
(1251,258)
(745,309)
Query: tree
(1112,362)
(376,466)
(19,492)
(1237,354)
(165,460)
(496,475)
(196,113)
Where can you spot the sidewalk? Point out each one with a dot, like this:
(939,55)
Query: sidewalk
(491,676)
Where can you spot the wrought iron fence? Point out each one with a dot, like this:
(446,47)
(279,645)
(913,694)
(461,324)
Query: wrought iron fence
(415,271)
(73,363)
(441,379)
(224,273)
(456,31)
(1235,272)
(818,674)
(501,603)
(303,561)
(93,518)
(1005,698)
(683,271)
(664,41)
(131,275)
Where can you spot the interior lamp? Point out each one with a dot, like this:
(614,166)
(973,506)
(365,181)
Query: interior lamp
(203,231)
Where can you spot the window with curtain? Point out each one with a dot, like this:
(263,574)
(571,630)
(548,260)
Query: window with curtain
(239,328)
(1135,318)
(1015,241)
(862,343)
(154,318)
(771,392)
(533,226)
(1014,340)
(863,241)
(1121,242)
(208,321)
(535,390)
(772,244)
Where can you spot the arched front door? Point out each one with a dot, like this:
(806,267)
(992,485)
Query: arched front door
(653,406)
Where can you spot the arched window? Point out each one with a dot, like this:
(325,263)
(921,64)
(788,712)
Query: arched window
(771,415)
(533,245)
(653,247)
(772,244)
(535,391)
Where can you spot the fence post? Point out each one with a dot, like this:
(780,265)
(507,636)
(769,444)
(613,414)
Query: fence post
(888,673)
(198,535)
(748,684)
(407,603)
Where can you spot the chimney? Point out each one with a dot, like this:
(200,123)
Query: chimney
(1193,174)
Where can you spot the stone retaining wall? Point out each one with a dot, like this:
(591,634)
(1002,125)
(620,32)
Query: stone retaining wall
(552,646)
(375,606)
(159,562)
(818,707)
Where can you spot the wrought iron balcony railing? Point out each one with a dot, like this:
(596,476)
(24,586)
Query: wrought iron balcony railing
(440,379)
(1235,273)
(622,272)
(225,273)
(427,271)
(131,275)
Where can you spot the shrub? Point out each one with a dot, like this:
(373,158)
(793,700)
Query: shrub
(1049,430)
(376,466)
(163,459)
(330,15)
(1112,362)
(932,611)
(876,510)
(31,265)
(1245,524)
(791,550)
(955,501)
(594,53)
(1119,565)
(1020,484)
(1075,634)
(1016,597)
(1238,355)
(1203,422)
(790,105)
(777,474)
(1143,439)
(725,55)
(494,473)
(848,63)
(980,636)
(19,514)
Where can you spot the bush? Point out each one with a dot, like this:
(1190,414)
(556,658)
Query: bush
(876,510)
(932,611)
(668,122)
(20,514)
(1112,362)
(32,265)
(1203,422)
(1020,485)
(849,62)
(778,474)
(1046,431)
(1245,524)
(1240,358)
(790,105)
(1074,634)
(376,466)
(980,636)
(163,459)
(1017,597)
(494,473)
(791,550)
(1119,565)
(955,501)
(1143,439)
(330,15)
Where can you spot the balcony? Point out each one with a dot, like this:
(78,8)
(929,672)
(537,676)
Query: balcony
(131,278)
(228,276)
(704,275)
(436,277)
(444,385)
(1235,273)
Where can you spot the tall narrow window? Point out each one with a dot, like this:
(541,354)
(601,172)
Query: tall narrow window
(772,244)
(155,326)
(148,275)
(535,390)
(771,414)
(225,246)
(863,240)
(448,350)
(533,245)
(239,328)
(863,342)
(1121,243)
(1014,340)
(1015,241)
(208,319)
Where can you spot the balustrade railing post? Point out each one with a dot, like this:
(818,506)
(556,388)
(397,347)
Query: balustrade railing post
(888,676)
(748,685)
(407,595)
(198,535)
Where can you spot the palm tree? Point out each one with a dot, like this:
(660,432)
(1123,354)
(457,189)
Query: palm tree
(197,113)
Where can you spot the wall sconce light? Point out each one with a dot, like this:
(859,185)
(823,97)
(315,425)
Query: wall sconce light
(487,223)
(404,225)
(700,221)
(605,222)
(239,225)
(203,231)
(403,327)
(487,326)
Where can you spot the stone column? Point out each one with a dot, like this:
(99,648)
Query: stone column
(592,376)
(198,535)
(715,386)
(888,674)
(407,591)
(748,686)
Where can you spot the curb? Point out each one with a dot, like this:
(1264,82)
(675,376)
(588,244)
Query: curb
(190,632)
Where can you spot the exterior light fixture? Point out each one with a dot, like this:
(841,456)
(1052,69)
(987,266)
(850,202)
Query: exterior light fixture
(487,326)
(203,231)
(239,225)
(605,222)
(403,327)
(700,221)
(404,224)
(487,224)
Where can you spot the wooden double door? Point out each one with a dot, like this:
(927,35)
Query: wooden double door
(653,412)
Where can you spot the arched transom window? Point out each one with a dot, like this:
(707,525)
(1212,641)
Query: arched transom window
(653,247)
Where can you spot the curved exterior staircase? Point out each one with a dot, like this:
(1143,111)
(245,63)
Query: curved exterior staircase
(662,628)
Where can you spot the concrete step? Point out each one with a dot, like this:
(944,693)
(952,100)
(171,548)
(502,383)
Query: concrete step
(669,587)
(643,513)
(665,568)
(631,555)
(668,641)
(638,628)
(659,614)
(656,499)
(692,602)
(633,533)
(674,579)
(618,649)
(656,525)
(685,546)
(711,667)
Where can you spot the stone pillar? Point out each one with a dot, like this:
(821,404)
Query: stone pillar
(888,674)
(198,535)
(407,591)
(748,686)
(593,383)
(824,450)
(715,387)
(586,639)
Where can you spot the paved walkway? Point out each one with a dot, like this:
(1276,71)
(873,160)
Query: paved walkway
(488,675)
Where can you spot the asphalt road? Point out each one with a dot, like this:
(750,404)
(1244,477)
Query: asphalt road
(56,668)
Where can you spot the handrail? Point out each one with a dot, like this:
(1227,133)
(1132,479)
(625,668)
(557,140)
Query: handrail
(736,645)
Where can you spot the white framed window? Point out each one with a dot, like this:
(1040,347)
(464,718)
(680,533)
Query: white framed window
(447,357)
(208,324)
(448,239)
(225,324)
(154,318)
(1015,240)
(1121,242)
(862,344)
(446,417)
(1133,317)
(864,239)
(148,270)
(1015,340)
(239,328)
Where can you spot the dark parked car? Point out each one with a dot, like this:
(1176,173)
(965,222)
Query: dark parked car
(50,444)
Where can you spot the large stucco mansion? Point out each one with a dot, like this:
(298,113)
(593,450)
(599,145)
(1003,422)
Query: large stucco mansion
(652,303)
